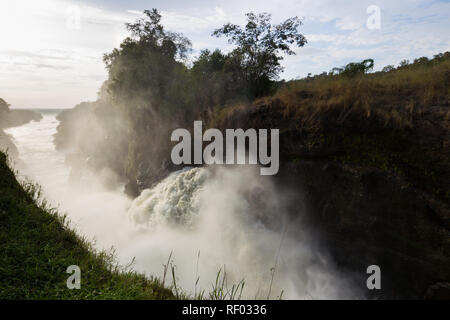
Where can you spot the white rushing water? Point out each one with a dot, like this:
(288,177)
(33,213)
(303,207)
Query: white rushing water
(202,216)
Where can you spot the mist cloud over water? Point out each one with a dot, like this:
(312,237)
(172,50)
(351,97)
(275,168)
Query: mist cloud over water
(215,217)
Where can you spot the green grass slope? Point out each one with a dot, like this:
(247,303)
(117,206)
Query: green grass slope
(36,247)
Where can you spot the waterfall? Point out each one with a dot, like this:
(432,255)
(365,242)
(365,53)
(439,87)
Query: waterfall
(208,219)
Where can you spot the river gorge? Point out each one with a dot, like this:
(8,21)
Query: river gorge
(202,219)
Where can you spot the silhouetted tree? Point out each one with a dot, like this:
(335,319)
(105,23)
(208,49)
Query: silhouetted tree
(354,68)
(259,47)
(388,68)
(150,30)
(404,63)
(421,60)
(146,71)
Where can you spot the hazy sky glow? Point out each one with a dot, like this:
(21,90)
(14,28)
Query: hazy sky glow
(49,58)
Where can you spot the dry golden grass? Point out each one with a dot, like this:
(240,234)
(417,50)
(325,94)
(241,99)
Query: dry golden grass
(392,96)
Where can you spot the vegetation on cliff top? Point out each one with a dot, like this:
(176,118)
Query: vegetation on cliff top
(151,90)
(349,114)
(396,120)
(392,95)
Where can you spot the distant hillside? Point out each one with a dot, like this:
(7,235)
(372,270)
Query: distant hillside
(37,247)
(13,118)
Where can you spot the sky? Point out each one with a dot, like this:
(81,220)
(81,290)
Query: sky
(51,50)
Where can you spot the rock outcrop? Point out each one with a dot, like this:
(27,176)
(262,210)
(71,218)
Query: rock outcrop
(376,193)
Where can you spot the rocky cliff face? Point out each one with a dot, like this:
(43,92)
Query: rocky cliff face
(367,155)
(367,216)
(376,193)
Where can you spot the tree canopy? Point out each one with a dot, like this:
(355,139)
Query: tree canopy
(260,45)
(146,69)
(354,68)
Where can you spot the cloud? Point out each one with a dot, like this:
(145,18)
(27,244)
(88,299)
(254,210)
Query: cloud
(195,23)
(39,41)
(134,12)
(40,51)
(42,65)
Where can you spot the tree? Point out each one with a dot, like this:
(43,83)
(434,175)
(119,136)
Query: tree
(388,68)
(403,63)
(421,60)
(354,68)
(335,71)
(146,71)
(216,79)
(150,30)
(259,47)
